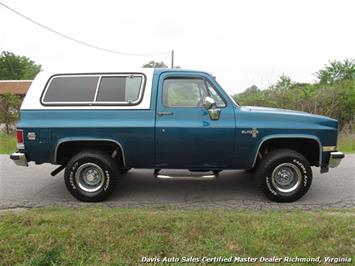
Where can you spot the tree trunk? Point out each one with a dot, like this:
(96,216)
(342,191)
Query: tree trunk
(7,128)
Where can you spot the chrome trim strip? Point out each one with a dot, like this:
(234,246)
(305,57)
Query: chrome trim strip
(95,103)
(97,88)
(290,137)
(329,148)
(87,139)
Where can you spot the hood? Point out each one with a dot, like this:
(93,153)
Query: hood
(291,114)
(279,110)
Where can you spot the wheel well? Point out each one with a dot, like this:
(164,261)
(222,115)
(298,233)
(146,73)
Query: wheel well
(67,150)
(309,148)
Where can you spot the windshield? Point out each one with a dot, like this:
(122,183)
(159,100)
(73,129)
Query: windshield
(230,96)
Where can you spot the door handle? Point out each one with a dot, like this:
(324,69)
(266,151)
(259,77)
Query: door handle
(164,113)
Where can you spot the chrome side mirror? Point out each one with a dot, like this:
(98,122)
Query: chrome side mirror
(209,102)
(210,105)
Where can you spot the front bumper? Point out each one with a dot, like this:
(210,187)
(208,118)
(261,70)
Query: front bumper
(19,158)
(335,158)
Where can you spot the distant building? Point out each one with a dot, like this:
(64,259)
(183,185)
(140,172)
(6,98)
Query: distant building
(18,87)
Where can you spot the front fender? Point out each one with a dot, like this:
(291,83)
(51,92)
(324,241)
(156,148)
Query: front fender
(286,136)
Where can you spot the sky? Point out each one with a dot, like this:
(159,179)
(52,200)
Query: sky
(242,43)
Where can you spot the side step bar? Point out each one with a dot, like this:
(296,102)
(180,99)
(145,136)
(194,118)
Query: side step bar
(187,176)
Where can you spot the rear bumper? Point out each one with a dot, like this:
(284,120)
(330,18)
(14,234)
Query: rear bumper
(335,158)
(19,158)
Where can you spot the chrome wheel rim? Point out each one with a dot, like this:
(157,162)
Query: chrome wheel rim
(286,177)
(90,177)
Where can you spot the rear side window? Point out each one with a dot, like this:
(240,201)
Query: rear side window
(71,89)
(111,89)
(119,89)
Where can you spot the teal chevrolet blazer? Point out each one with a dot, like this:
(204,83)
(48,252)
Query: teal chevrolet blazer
(97,125)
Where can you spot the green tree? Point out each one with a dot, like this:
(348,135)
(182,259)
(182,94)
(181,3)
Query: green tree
(335,96)
(251,96)
(336,71)
(153,64)
(332,95)
(283,83)
(14,67)
(9,110)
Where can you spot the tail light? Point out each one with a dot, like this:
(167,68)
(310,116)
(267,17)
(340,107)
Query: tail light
(19,135)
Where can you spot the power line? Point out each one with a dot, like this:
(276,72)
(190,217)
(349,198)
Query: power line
(76,40)
(166,58)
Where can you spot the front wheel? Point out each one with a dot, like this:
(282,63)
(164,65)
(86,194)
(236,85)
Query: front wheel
(284,175)
(90,176)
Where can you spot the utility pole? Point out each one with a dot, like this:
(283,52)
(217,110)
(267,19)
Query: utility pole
(172,58)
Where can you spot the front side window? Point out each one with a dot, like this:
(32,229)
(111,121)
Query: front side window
(188,92)
(94,89)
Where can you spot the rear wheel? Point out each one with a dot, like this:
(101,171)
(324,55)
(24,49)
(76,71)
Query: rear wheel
(89,176)
(284,175)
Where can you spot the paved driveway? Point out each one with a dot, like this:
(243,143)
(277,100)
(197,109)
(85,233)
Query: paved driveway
(33,187)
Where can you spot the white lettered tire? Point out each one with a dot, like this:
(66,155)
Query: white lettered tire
(90,175)
(284,175)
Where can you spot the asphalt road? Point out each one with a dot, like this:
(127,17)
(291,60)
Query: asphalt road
(34,187)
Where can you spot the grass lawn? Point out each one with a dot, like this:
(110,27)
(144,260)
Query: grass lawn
(101,236)
(346,143)
(7,143)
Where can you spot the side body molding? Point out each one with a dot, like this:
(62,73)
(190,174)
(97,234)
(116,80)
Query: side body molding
(64,140)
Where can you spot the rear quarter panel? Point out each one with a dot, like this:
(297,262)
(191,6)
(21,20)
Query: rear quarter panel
(133,129)
(131,126)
